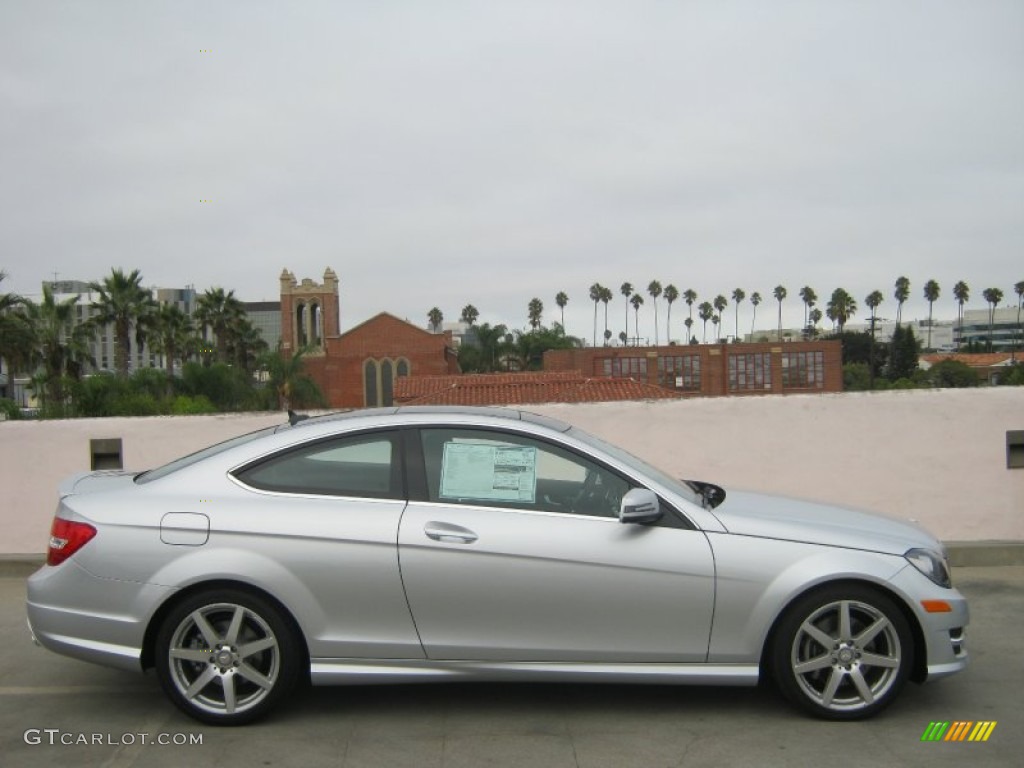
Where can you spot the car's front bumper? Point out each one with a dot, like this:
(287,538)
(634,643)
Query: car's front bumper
(945,632)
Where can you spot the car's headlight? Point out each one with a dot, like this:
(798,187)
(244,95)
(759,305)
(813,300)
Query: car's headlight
(931,564)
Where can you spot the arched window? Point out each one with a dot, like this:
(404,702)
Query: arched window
(402,367)
(300,326)
(387,382)
(370,384)
(316,323)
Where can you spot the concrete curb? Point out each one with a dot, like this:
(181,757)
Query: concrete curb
(962,554)
(972,554)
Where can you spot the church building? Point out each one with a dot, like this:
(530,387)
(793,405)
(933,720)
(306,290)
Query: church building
(358,368)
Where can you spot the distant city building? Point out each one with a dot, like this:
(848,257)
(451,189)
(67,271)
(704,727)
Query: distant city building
(265,317)
(941,331)
(1005,333)
(461,332)
(103,344)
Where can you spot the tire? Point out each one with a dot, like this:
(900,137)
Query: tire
(226,657)
(842,652)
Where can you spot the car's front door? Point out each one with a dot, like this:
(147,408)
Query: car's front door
(517,554)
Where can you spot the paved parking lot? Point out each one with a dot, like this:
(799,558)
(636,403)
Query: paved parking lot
(57,699)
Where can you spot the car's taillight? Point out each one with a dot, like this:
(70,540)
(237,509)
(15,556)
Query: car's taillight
(66,538)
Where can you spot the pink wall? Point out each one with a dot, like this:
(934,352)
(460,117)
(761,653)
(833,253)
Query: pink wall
(937,457)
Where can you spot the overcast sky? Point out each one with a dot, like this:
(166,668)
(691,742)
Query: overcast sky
(439,153)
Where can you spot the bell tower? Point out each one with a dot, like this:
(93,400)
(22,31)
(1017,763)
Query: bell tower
(309,312)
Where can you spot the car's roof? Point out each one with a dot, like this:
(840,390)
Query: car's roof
(427,411)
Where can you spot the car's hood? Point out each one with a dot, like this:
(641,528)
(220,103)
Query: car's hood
(89,482)
(778,517)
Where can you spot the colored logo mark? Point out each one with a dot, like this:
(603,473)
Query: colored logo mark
(959,730)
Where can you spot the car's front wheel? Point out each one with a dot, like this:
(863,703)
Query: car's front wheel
(842,652)
(226,657)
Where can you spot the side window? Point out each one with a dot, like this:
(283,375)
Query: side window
(496,469)
(361,465)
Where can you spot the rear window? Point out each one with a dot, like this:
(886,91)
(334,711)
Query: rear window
(205,453)
(361,466)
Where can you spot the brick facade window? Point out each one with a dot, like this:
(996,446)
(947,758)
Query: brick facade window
(379,380)
(750,372)
(803,370)
(681,372)
(621,367)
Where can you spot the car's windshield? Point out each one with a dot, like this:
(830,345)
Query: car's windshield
(192,458)
(680,487)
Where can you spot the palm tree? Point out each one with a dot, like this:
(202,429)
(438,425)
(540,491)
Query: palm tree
(671,294)
(809,298)
(873,300)
(125,304)
(596,291)
(435,317)
(815,316)
(172,330)
(626,289)
(931,293)
(902,294)
(218,310)
(704,312)
(755,299)
(962,294)
(637,301)
(535,311)
(470,314)
(561,299)
(15,332)
(688,322)
(491,343)
(715,320)
(993,296)
(841,307)
(245,344)
(654,289)
(720,304)
(738,295)
(606,296)
(780,293)
(287,378)
(59,344)
(1018,288)
(690,296)
(622,334)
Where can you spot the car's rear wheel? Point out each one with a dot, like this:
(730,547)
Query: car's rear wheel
(843,652)
(226,657)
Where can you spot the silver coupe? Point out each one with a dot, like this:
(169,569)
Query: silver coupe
(433,544)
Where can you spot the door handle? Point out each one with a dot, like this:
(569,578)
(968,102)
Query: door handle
(452,534)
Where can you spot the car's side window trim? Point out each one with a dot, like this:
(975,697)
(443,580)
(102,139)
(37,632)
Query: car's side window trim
(394,472)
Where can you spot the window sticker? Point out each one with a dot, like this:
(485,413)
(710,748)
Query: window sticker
(489,472)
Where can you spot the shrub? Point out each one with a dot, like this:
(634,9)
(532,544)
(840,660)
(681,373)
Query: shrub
(952,373)
(9,408)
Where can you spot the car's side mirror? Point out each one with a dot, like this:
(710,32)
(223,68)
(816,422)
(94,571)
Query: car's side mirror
(639,505)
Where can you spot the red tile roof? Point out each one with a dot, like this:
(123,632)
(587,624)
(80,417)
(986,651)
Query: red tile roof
(973,359)
(522,389)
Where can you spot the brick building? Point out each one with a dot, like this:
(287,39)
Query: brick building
(357,368)
(531,388)
(714,369)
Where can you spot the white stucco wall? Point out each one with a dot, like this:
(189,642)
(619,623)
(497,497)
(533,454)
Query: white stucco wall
(935,456)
